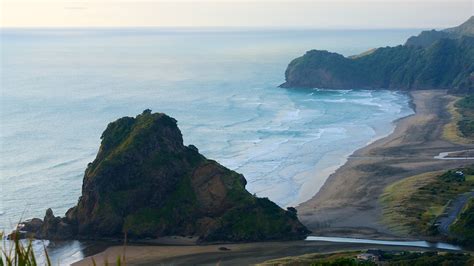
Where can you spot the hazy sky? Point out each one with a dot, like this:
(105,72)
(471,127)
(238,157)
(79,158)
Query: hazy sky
(257,13)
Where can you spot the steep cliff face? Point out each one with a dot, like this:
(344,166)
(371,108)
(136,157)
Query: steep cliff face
(146,183)
(447,64)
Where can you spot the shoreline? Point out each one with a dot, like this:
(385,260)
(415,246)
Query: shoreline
(326,172)
(235,254)
(329,169)
(347,204)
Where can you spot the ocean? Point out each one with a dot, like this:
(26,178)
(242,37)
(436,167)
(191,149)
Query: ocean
(61,87)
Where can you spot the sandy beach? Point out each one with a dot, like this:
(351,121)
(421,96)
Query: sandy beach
(236,254)
(347,204)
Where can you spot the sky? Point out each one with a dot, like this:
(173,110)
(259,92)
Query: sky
(330,14)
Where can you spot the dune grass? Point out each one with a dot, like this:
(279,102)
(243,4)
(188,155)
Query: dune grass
(19,254)
(390,258)
(16,253)
(412,205)
(340,258)
(455,131)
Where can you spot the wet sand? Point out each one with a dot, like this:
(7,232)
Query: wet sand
(348,203)
(237,254)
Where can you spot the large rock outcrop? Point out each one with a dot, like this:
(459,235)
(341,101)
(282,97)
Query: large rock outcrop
(146,183)
(443,63)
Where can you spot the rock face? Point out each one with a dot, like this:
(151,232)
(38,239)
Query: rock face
(443,63)
(146,183)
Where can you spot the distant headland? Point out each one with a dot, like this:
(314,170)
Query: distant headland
(432,60)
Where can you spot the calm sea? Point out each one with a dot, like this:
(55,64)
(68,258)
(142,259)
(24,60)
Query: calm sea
(60,88)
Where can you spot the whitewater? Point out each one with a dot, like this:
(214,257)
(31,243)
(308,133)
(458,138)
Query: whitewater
(61,87)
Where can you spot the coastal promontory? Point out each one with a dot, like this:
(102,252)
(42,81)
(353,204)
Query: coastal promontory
(442,60)
(146,183)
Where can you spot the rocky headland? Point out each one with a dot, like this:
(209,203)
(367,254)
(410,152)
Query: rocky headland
(432,60)
(146,183)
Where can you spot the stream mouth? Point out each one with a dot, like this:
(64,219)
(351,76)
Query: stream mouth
(422,244)
(445,155)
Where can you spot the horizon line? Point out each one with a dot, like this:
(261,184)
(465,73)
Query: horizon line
(217,27)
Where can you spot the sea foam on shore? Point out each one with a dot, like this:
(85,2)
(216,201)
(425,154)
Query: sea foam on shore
(61,88)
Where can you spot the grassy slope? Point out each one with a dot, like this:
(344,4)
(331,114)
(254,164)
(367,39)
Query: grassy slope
(344,258)
(463,227)
(402,259)
(466,110)
(411,205)
(461,128)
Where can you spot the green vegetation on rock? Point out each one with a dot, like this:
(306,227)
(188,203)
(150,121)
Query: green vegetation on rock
(465,107)
(144,182)
(412,205)
(447,63)
(463,227)
(260,219)
(427,38)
